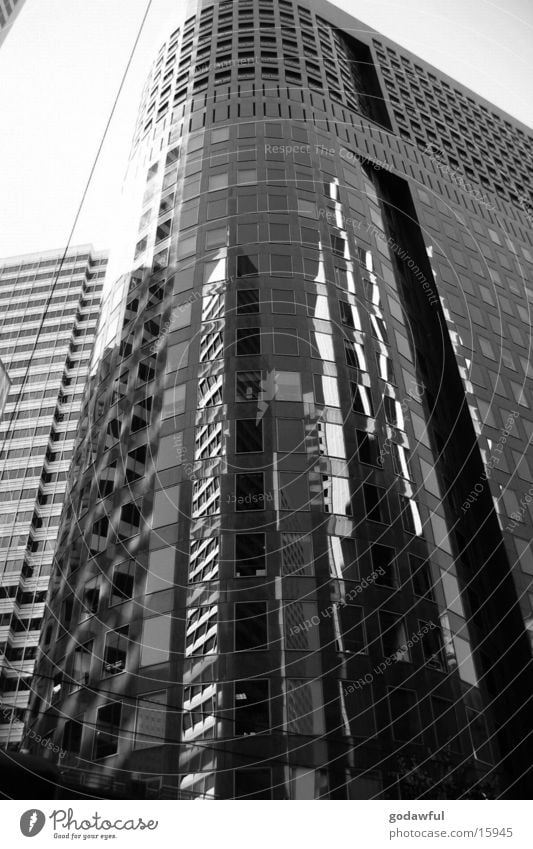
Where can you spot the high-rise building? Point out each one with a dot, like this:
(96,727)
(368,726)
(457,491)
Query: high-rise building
(49,305)
(295,558)
(9,10)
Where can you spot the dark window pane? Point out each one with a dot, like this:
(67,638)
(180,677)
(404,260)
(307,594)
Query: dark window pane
(248,341)
(383,564)
(72,736)
(122,585)
(250,555)
(250,625)
(368,448)
(393,636)
(404,715)
(108,722)
(352,632)
(247,265)
(431,645)
(248,436)
(250,491)
(251,707)
(247,301)
(421,576)
(375,503)
(253,783)
(248,385)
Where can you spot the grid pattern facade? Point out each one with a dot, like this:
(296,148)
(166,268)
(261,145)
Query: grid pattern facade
(273,587)
(49,309)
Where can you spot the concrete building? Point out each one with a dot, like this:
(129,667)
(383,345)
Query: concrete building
(49,304)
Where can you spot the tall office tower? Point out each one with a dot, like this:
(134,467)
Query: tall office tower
(49,305)
(9,10)
(286,568)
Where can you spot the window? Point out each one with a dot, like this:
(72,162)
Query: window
(421,577)
(155,646)
(247,265)
(248,385)
(383,564)
(177,356)
(166,506)
(250,491)
(288,386)
(393,636)
(308,208)
(326,390)
(174,401)
(375,503)
(247,301)
(445,722)
(248,341)
(116,651)
(285,341)
(246,234)
(281,263)
(250,557)
(216,208)
(251,625)
(251,707)
(253,784)
(368,448)
(108,729)
(219,135)
(351,635)
(430,638)
(122,582)
(283,301)
(248,436)
(293,491)
(150,721)
(361,400)
(216,238)
(160,570)
(91,596)
(404,715)
(217,181)
(291,436)
(72,734)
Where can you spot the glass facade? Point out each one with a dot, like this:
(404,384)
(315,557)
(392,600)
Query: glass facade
(266,585)
(49,304)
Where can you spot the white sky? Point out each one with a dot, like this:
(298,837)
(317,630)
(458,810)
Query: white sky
(61,65)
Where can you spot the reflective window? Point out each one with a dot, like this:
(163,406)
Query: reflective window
(248,436)
(250,555)
(250,491)
(150,720)
(160,570)
(116,651)
(108,730)
(155,646)
(251,707)
(166,506)
(250,618)
(122,582)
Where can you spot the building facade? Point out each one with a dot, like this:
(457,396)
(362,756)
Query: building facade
(49,305)
(9,10)
(286,567)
